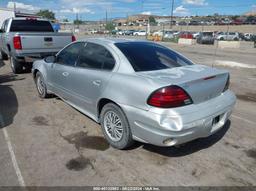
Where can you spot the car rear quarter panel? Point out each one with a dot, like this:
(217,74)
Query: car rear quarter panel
(129,89)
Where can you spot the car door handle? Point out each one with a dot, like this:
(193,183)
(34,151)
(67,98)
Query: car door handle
(65,74)
(96,82)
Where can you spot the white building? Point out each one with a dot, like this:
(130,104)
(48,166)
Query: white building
(6,13)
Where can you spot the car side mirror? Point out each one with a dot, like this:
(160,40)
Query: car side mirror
(50,59)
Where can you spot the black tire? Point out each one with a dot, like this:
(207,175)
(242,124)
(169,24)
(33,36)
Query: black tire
(41,86)
(28,67)
(3,56)
(126,138)
(221,38)
(17,67)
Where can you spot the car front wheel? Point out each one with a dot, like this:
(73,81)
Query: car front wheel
(115,126)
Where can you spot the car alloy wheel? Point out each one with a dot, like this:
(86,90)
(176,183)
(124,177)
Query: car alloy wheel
(113,126)
(40,85)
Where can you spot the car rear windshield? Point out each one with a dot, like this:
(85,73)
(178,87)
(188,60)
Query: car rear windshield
(31,26)
(207,33)
(146,56)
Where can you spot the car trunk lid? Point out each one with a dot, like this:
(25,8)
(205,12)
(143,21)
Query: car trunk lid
(200,82)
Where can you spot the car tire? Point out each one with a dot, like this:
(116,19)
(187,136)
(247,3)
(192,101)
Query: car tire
(28,67)
(221,38)
(41,86)
(3,56)
(117,133)
(16,66)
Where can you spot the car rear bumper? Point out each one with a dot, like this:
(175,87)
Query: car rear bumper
(169,127)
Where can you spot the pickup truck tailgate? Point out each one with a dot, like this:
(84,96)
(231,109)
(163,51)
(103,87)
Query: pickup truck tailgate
(51,41)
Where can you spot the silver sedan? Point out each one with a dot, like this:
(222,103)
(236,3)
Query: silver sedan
(138,90)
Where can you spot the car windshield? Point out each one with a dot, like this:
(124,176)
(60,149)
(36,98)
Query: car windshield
(146,56)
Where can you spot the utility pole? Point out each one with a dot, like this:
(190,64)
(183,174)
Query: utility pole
(106,17)
(14,7)
(142,6)
(171,13)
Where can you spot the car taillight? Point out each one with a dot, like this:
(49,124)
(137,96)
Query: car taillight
(227,84)
(17,43)
(169,97)
(73,38)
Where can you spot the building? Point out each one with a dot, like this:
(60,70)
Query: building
(6,13)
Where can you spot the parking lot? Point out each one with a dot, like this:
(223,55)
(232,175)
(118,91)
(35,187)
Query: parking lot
(48,143)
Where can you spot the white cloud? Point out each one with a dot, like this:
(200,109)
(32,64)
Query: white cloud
(195,2)
(22,6)
(76,10)
(146,13)
(180,10)
(129,1)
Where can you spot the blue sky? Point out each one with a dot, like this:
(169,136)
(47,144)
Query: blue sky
(95,9)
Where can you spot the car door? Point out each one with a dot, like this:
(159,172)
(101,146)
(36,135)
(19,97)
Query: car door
(93,72)
(60,72)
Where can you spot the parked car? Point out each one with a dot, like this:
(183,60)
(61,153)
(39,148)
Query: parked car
(26,39)
(140,33)
(186,34)
(138,90)
(195,34)
(120,32)
(205,38)
(228,36)
(182,23)
(248,36)
(164,33)
(129,32)
(170,34)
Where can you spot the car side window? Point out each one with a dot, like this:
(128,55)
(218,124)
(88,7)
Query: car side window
(69,55)
(95,56)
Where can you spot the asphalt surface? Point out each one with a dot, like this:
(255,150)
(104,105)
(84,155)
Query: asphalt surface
(45,142)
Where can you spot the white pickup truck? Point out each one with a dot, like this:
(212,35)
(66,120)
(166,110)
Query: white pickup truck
(27,39)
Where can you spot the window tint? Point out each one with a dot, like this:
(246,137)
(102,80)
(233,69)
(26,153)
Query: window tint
(69,55)
(31,26)
(145,56)
(94,56)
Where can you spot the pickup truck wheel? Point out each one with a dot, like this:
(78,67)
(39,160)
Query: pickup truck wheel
(16,65)
(115,126)
(41,86)
(3,56)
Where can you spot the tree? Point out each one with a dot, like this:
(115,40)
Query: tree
(152,19)
(234,17)
(78,22)
(110,26)
(65,20)
(46,14)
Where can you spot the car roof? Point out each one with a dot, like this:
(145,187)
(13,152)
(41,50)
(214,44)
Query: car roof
(27,18)
(111,40)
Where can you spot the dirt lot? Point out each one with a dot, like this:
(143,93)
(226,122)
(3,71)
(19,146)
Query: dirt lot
(48,143)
